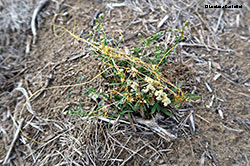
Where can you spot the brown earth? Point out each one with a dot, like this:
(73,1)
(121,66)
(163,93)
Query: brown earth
(70,140)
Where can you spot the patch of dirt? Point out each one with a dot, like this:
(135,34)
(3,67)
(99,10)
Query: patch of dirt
(73,140)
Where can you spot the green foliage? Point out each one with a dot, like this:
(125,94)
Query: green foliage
(77,111)
(134,76)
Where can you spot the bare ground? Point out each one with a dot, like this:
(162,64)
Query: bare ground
(216,46)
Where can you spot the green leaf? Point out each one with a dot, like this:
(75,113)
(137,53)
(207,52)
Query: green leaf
(154,108)
(124,112)
(179,85)
(149,39)
(133,108)
(68,96)
(177,106)
(86,94)
(109,123)
(193,96)
(166,112)
(140,35)
(114,115)
(121,100)
(84,113)
(80,79)
(116,83)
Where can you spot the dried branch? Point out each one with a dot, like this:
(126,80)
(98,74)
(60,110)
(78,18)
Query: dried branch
(13,142)
(41,4)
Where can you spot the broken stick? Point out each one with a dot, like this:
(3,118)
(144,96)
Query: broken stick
(13,142)
(41,4)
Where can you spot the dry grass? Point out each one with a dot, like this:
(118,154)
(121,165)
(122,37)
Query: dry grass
(14,21)
(204,64)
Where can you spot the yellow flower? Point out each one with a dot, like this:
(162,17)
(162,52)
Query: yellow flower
(149,87)
(142,101)
(161,96)
(122,79)
(129,99)
(101,46)
(106,49)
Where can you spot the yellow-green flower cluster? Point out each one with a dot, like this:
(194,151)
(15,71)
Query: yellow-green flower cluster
(134,86)
(151,85)
(133,71)
(162,96)
(155,88)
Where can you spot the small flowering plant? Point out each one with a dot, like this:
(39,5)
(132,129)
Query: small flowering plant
(134,80)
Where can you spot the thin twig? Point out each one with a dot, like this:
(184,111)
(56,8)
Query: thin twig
(49,78)
(156,129)
(93,21)
(231,129)
(163,21)
(124,147)
(121,150)
(219,20)
(13,142)
(133,154)
(51,139)
(90,157)
(41,4)
(205,46)
(202,118)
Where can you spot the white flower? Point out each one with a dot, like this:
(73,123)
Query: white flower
(164,95)
(149,80)
(154,67)
(134,71)
(155,83)
(161,96)
(128,82)
(145,90)
(166,101)
(158,93)
(158,98)
(151,87)
(134,86)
